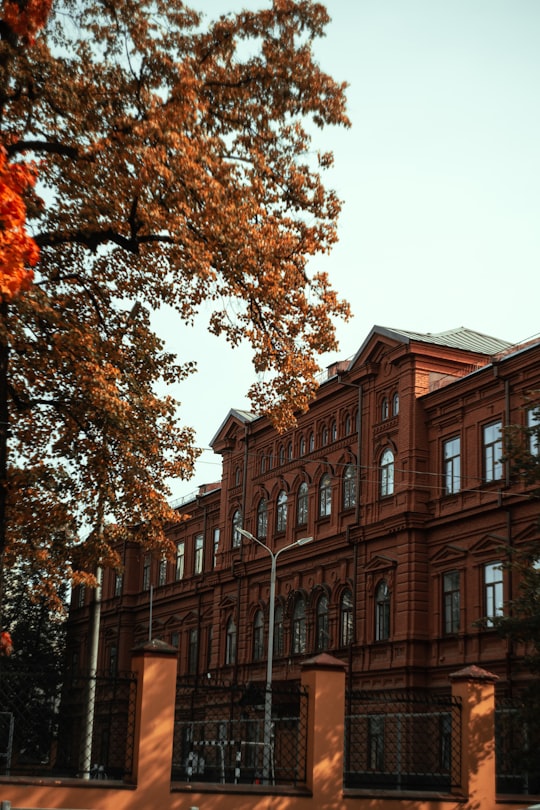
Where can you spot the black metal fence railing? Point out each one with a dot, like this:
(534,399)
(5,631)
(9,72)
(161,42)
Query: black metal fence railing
(219,735)
(517,742)
(55,725)
(402,741)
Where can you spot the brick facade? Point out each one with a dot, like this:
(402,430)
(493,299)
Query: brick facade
(395,472)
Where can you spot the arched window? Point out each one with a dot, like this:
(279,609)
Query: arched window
(237,524)
(302,505)
(281,454)
(262,518)
(324,436)
(302,447)
(333,432)
(349,487)
(281,515)
(382,612)
(323,636)
(258,636)
(387,473)
(263,463)
(230,644)
(237,476)
(395,404)
(325,496)
(289,452)
(346,618)
(348,425)
(299,626)
(278,632)
(384,408)
(311,442)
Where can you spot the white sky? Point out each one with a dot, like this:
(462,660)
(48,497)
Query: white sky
(440,178)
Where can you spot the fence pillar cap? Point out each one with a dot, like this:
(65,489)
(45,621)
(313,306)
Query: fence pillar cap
(323,661)
(154,647)
(473,673)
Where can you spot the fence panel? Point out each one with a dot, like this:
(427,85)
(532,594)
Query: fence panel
(219,735)
(517,742)
(44,730)
(402,741)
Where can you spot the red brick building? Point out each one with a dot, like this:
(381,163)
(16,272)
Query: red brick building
(396,473)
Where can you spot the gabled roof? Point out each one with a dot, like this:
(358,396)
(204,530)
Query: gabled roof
(234,415)
(459,338)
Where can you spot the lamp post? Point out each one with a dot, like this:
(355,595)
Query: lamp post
(267,729)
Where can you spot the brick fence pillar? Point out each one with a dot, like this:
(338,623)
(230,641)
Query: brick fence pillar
(324,677)
(156,665)
(476,688)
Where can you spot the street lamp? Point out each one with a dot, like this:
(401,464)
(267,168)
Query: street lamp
(267,731)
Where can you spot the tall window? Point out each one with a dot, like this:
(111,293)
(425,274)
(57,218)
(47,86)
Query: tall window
(333,431)
(348,425)
(452,465)
(493,583)
(147,565)
(162,571)
(384,409)
(346,619)
(325,496)
(302,447)
(493,466)
(382,612)
(311,442)
(215,548)
(230,642)
(199,554)
(180,558)
(258,636)
(193,651)
(451,601)
(324,436)
(387,473)
(118,583)
(237,524)
(323,636)
(395,404)
(281,515)
(262,518)
(289,452)
(349,487)
(113,659)
(299,626)
(278,632)
(302,505)
(281,454)
(533,424)
(375,743)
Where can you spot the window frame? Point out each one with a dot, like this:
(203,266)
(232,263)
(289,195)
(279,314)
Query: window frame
(493,591)
(262,518)
(236,524)
(346,618)
(198,554)
(299,626)
(281,512)
(452,465)
(258,636)
(180,562)
(382,611)
(349,487)
(302,504)
(492,450)
(386,467)
(325,496)
(451,602)
(230,642)
(322,626)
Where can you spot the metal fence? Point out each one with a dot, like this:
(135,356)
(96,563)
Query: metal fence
(517,744)
(219,735)
(54,725)
(402,741)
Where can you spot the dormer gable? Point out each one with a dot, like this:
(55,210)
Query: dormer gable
(231,431)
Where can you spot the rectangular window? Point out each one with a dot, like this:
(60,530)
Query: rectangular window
(376,743)
(199,554)
(533,424)
(452,466)
(493,583)
(146,573)
(216,548)
(162,571)
(180,556)
(118,583)
(193,661)
(493,450)
(451,602)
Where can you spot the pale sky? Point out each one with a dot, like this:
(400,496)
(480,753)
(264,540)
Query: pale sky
(440,178)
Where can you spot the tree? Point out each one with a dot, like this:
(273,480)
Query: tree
(174,170)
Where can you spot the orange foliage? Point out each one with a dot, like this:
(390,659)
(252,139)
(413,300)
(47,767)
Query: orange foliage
(6,644)
(180,167)
(17,248)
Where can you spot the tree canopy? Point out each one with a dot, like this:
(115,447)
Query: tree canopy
(175,168)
